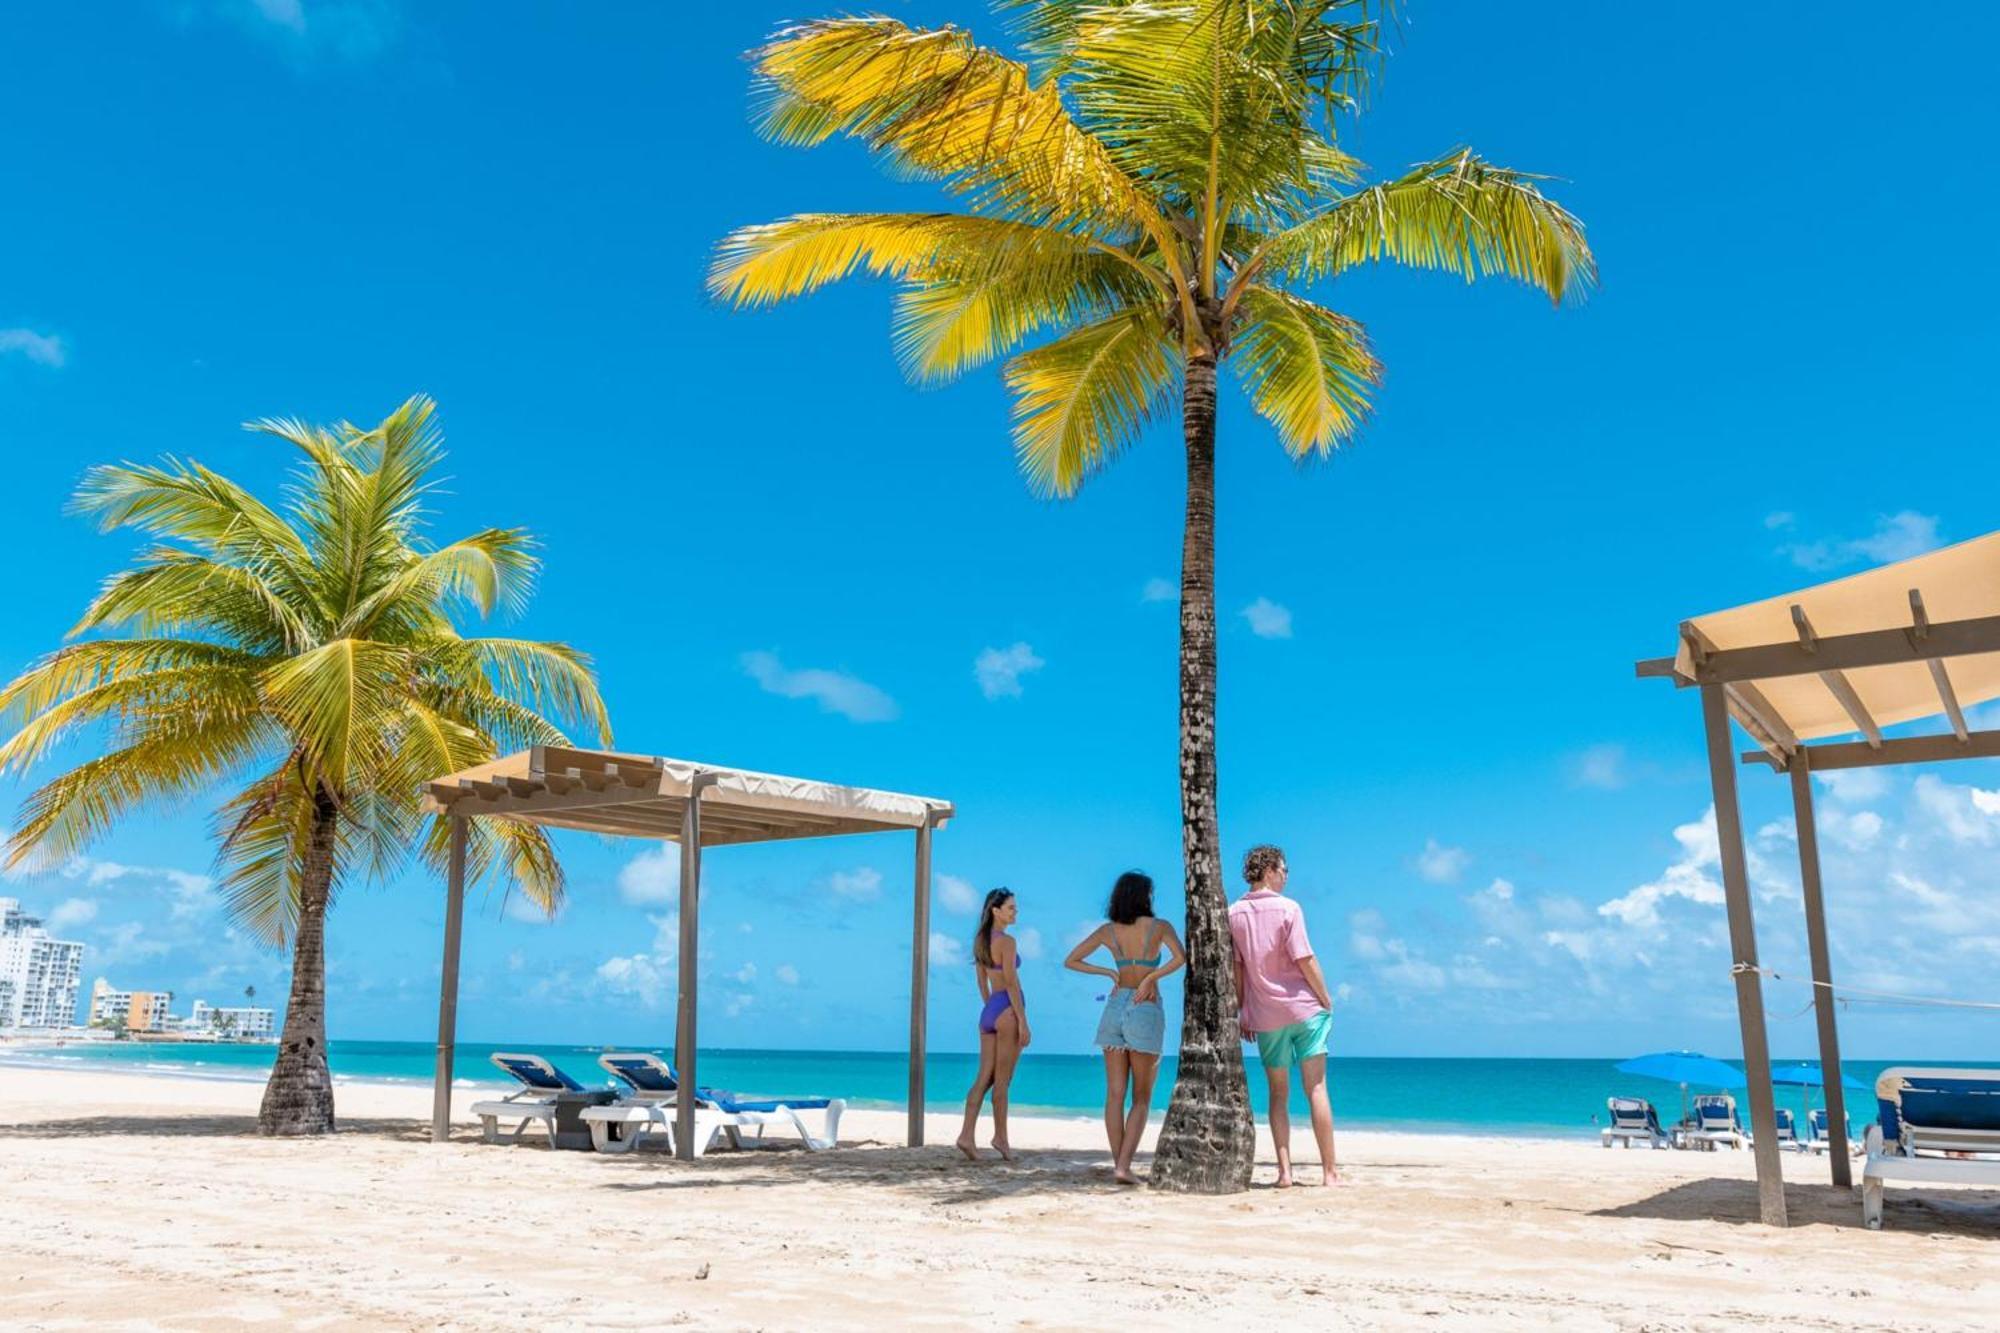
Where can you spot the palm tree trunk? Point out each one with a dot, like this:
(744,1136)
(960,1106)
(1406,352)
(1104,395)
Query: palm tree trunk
(1208,1140)
(299,1098)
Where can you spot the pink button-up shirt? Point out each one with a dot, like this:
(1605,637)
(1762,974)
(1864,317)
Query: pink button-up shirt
(1269,932)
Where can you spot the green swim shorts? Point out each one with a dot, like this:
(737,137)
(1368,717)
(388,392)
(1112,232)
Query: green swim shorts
(1295,1041)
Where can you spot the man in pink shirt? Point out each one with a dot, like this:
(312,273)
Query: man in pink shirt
(1283,1001)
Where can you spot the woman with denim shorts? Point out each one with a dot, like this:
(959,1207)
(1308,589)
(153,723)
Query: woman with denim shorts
(1133,1028)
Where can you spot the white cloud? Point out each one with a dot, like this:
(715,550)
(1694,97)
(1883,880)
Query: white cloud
(957,895)
(786,974)
(945,951)
(745,974)
(44,349)
(1601,766)
(1158,590)
(639,977)
(1029,941)
(125,943)
(1896,536)
(652,878)
(1782,518)
(861,883)
(520,907)
(1854,785)
(999,670)
(349,30)
(1965,814)
(285,13)
(1440,864)
(1687,877)
(189,894)
(70,913)
(1267,619)
(736,1002)
(834,691)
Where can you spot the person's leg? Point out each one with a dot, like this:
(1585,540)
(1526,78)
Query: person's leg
(1312,1073)
(1006,1051)
(1278,1083)
(1145,1068)
(981,1081)
(1117,1072)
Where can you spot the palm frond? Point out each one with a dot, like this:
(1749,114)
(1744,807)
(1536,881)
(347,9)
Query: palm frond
(1081,399)
(1460,214)
(939,105)
(776,261)
(1308,369)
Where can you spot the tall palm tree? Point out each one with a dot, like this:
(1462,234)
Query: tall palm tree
(1153,192)
(306,656)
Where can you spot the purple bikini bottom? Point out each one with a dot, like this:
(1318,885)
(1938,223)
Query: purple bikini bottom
(998,1003)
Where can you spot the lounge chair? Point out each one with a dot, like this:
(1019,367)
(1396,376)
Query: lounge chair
(1788,1129)
(1632,1118)
(1940,1125)
(1821,1138)
(652,1098)
(1715,1122)
(543,1086)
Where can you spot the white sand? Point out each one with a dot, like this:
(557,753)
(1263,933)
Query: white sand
(143,1202)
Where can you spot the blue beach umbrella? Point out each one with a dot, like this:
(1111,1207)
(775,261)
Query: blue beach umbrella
(1685,1068)
(1810,1076)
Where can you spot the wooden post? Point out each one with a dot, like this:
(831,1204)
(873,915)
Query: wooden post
(1743,950)
(689,967)
(1822,969)
(454,917)
(920,975)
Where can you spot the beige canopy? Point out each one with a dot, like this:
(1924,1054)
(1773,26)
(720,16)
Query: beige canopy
(697,806)
(1957,584)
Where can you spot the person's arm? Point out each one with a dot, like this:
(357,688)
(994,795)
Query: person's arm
(1149,985)
(1316,980)
(1010,981)
(1088,945)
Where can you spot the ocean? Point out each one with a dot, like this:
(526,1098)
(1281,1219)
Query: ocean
(1528,1097)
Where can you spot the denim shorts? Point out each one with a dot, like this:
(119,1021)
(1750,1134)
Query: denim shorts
(1131,1027)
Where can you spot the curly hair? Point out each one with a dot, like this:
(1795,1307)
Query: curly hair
(1260,861)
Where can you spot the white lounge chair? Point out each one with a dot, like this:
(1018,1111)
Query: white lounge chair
(542,1085)
(1788,1129)
(1633,1118)
(648,1110)
(1715,1122)
(1940,1125)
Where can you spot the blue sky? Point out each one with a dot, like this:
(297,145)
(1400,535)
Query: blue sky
(784,557)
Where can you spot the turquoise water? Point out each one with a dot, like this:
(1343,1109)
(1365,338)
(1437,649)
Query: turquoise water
(1473,1096)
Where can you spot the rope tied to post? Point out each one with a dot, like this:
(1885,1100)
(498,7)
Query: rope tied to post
(1849,993)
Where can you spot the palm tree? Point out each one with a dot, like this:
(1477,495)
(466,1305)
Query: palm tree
(307,657)
(1153,193)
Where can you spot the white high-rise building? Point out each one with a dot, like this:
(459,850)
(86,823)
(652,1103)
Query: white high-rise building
(245,1023)
(38,975)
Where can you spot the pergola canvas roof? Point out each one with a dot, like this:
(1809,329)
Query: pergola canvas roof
(697,806)
(1907,641)
(1774,647)
(645,796)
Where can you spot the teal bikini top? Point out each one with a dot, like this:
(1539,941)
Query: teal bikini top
(1154,961)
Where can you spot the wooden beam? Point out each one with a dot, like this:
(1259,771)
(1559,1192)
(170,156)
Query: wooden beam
(1761,719)
(1850,703)
(920,976)
(1822,969)
(1948,697)
(1898,750)
(686,1039)
(454,916)
(1846,652)
(1743,951)
(1647,668)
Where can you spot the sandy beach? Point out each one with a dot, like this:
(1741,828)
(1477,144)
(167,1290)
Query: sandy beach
(149,1202)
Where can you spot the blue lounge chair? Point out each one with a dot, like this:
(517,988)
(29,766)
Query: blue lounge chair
(1633,1118)
(1788,1129)
(542,1085)
(1821,1137)
(653,1094)
(1940,1125)
(1715,1122)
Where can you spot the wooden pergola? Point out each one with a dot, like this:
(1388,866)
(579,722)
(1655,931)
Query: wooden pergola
(1902,643)
(697,806)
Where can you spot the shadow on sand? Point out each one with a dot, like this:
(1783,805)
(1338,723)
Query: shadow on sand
(200,1127)
(1944,1212)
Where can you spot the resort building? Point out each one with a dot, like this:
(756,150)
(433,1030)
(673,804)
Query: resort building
(244,1023)
(134,1010)
(39,975)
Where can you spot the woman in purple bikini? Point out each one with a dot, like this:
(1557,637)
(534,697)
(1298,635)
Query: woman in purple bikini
(1003,1019)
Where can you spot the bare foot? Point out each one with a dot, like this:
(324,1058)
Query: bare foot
(1000,1146)
(1124,1176)
(1284,1180)
(1332,1177)
(965,1146)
